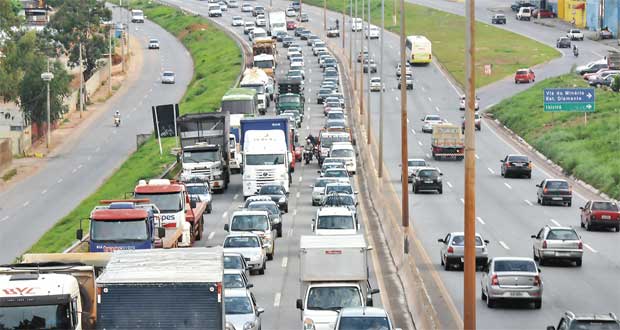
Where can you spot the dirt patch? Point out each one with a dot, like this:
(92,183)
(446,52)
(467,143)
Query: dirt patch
(192,28)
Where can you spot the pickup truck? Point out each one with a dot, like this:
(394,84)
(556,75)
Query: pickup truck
(575,34)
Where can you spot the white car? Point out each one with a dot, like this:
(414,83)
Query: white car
(335,221)
(237,21)
(462,103)
(318,189)
(430,121)
(255,221)
(373,33)
(233,4)
(223,6)
(167,77)
(248,27)
(290,12)
(297,63)
(246,8)
(153,44)
(250,247)
(408,70)
(356,24)
(575,34)
(376,85)
(524,14)
(241,310)
(414,164)
(260,20)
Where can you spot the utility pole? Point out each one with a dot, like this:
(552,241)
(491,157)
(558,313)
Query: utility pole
(368,119)
(81,94)
(394,11)
(351,37)
(324,15)
(47,77)
(469,276)
(403,133)
(344,8)
(355,71)
(361,80)
(380,171)
(110,62)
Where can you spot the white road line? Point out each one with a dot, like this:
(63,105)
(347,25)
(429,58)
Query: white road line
(420,143)
(428,155)
(301,178)
(437,108)
(412,131)
(396,97)
(225,215)
(284,262)
(555,223)
(26,203)
(507,185)
(236,196)
(491,170)
(407,120)
(309,90)
(308,127)
(462,201)
(590,248)
(59,180)
(504,245)
(476,156)
(429,99)
(528,202)
(44,191)
(297,195)
(89,158)
(289,233)
(80,166)
(6,217)
(74,170)
(98,149)
(211,236)
(480,220)
(449,184)
(276,300)
(294,212)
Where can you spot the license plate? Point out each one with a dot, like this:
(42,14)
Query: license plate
(516,294)
(557,198)
(605,217)
(562,254)
(428,181)
(518,164)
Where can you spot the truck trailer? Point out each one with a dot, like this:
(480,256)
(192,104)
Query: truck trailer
(258,80)
(447,142)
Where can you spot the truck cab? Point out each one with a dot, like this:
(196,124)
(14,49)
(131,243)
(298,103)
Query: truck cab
(204,161)
(266,62)
(123,225)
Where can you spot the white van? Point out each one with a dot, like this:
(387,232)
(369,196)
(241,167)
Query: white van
(344,150)
(137,16)
(524,14)
(215,10)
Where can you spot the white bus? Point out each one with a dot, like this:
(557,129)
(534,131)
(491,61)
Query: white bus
(419,49)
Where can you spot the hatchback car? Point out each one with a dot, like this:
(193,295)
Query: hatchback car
(600,214)
(235,260)
(407,69)
(477,122)
(318,189)
(376,85)
(363,318)
(462,103)
(524,76)
(554,191)
(302,18)
(427,179)
(153,44)
(246,7)
(452,250)
(202,192)
(408,81)
(557,243)
(414,164)
(543,13)
(237,21)
(290,12)
(429,121)
(563,42)
(571,321)
(511,279)
(516,165)
(167,77)
(236,279)
(241,310)
(249,245)
(277,193)
(370,65)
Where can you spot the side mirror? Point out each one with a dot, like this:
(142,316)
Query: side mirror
(533,236)
(487,241)
(299,304)
(240,206)
(501,160)
(374,291)
(581,208)
(260,311)
(226,227)
(538,185)
(249,286)
(319,171)
(312,227)
(161,232)
(192,203)
(540,271)
(440,240)
(79,234)
(440,174)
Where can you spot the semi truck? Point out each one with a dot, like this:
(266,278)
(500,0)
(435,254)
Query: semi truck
(176,209)
(123,225)
(162,289)
(277,22)
(447,142)
(267,153)
(290,96)
(257,79)
(50,291)
(204,148)
(323,293)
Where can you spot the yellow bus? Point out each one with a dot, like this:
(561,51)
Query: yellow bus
(419,49)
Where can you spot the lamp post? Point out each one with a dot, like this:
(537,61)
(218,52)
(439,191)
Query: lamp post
(47,77)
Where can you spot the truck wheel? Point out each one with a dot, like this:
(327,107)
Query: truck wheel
(279,229)
(210,208)
(199,233)
(269,256)
(262,270)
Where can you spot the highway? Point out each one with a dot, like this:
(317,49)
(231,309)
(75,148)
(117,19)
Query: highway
(507,213)
(77,168)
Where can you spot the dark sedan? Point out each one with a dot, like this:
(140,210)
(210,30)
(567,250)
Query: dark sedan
(427,178)
(498,19)
(554,191)
(516,165)
(277,194)
(563,42)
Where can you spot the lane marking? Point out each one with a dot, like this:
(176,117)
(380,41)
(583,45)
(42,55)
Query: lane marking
(476,156)
(225,215)
(555,223)
(89,157)
(429,99)
(491,170)
(26,203)
(294,212)
(590,248)
(480,220)
(308,127)
(74,170)
(407,120)
(504,245)
(428,155)
(449,184)
(236,196)
(413,131)
(462,201)
(528,202)
(98,149)
(284,262)
(289,233)
(44,191)
(6,217)
(276,300)
(507,185)
(437,108)
(301,178)
(297,195)
(211,236)
(59,180)
(420,143)
(80,166)
(396,97)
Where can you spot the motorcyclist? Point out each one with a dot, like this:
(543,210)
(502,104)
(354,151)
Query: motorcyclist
(575,50)
(309,145)
(312,139)
(117,117)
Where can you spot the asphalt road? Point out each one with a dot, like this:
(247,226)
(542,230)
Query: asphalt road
(76,169)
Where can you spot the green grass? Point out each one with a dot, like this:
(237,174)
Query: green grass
(9,174)
(217,63)
(589,152)
(505,50)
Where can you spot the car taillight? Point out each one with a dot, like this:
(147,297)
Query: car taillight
(536,280)
(593,217)
(507,164)
(580,245)
(494,280)
(545,190)
(544,245)
(529,165)
(450,249)
(429,56)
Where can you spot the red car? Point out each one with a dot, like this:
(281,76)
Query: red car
(524,75)
(544,13)
(298,153)
(600,214)
(291,25)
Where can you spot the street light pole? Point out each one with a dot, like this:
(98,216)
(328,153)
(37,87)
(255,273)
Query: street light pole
(81,94)
(361,80)
(47,77)
(403,133)
(110,62)
(469,276)
(380,171)
(368,119)
(355,71)
(344,8)
(351,36)
(324,15)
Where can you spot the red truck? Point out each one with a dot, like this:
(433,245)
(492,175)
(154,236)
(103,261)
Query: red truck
(176,209)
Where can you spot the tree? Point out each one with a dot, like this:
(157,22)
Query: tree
(8,14)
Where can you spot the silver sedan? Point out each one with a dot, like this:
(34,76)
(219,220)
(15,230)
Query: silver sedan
(558,243)
(511,278)
(452,250)
(241,309)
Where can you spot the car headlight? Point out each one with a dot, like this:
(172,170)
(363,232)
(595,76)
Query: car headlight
(309,324)
(438,179)
(255,257)
(247,176)
(249,325)
(282,199)
(283,176)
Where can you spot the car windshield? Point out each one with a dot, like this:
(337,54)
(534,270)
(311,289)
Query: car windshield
(197,190)
(327,141)
(518,159)
(241,242)
(364,323)
(270,207)
(557,185)
(335,222)
(233,281)
(201,156)
(333,298)
(346,153)
(237,305)
(168,74)
(522,72)
(267,159)
(339,188)
(322,183)
(562,234)
(114,231)
(233,262)
(433,118)
(167,202)
(416,163)
(604,206)
(594,325)
(459,240)
(249,223)
(339,200)
(271,190)
(336,174)
(515,266)
(289,99)
(431,174)
(37,317)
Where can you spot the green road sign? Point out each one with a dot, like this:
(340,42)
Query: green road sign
(568,100)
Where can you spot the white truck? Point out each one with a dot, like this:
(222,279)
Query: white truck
(234,143)
(265,160)
(277,22)
(333,271)
(137,16)
(258,80)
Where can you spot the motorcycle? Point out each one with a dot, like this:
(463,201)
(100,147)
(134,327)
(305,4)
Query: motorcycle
(575,51)
(117,121)
(307,155)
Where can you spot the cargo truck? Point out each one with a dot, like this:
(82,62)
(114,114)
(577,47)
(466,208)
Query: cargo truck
(235,143)
(123,225)
(258,80)
(176,209)
(277,22)
(333,274)
(204,148)
(240,101)
(162,289)
(447,142)
(290,96)
(50,291)
(267,153)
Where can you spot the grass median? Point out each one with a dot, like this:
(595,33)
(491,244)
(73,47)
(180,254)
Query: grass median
(506,51)
(217,63)
(587,151)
